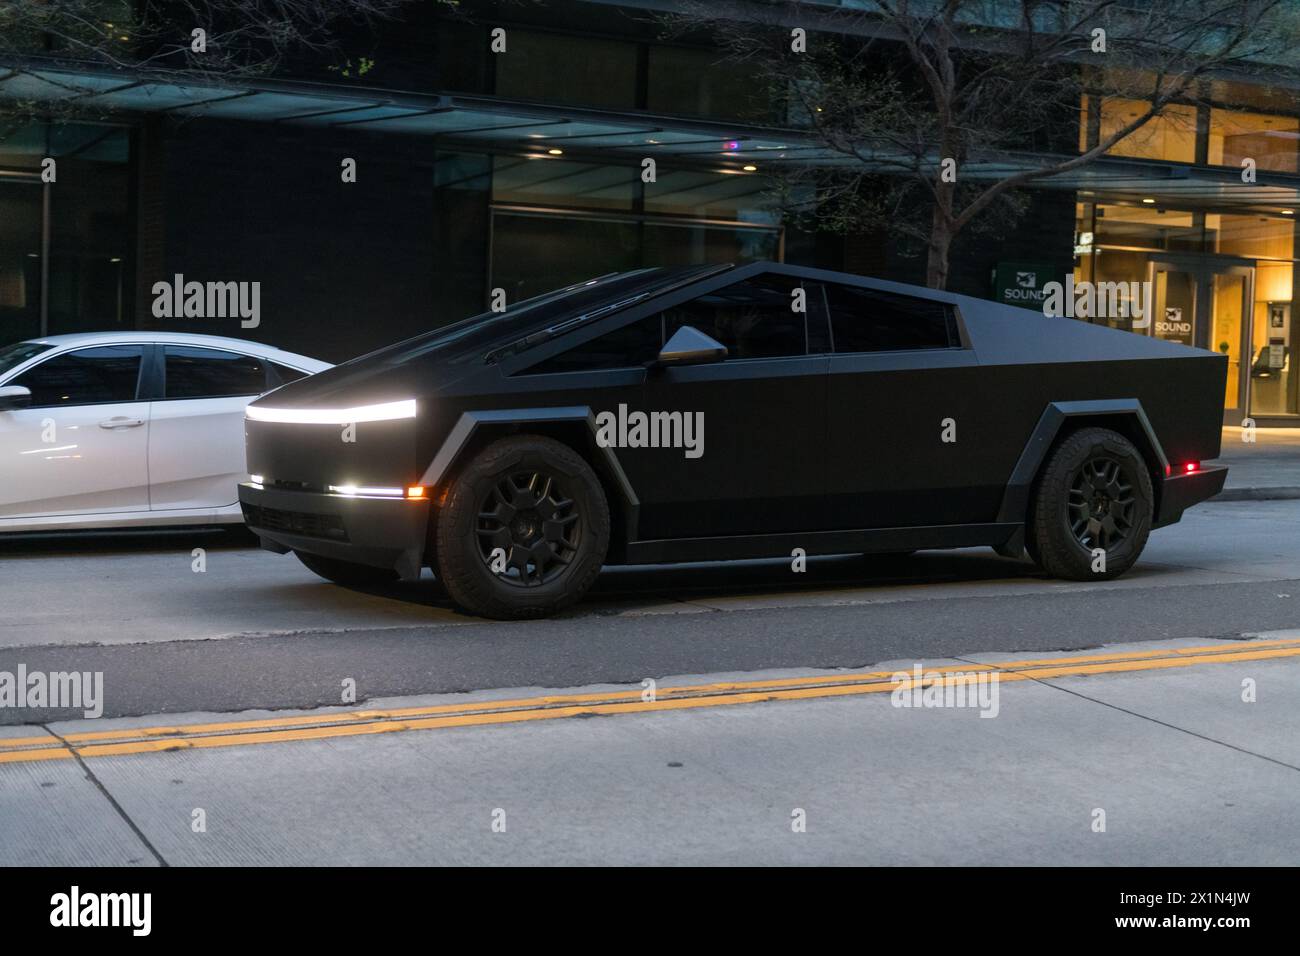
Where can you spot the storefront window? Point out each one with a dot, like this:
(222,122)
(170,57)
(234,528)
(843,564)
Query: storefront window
(1250,236)
(90,273)
(542,181)
(532,254)
(1171,136)
(1273,142)
(1273,333)
(461,216)
(1223,282)
(1142,227)
(671,244)
(710,195)
(1273,379)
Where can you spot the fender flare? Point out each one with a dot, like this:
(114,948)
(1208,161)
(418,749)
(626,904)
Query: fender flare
(1015,496)
(470,422)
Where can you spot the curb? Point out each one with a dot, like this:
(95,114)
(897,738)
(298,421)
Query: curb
(1285,493)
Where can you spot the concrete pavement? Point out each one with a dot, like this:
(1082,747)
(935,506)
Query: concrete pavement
(1267,468)
(1168,766)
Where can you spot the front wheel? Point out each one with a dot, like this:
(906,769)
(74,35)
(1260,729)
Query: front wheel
(1092,509)
(523,531)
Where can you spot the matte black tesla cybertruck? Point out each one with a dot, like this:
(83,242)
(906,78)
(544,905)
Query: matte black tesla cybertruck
(726,412)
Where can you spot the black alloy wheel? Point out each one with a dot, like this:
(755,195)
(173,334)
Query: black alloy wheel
(528,528)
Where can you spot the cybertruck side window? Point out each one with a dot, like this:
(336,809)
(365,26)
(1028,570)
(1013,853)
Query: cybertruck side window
(867,320)
(631,346)
(94,376)
(754,319)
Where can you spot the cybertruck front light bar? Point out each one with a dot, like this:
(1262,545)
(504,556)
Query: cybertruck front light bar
(387,411)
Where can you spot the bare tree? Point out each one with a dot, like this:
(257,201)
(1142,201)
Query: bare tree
(934,113)
(157,38)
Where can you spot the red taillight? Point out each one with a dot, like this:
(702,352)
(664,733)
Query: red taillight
(1193,466)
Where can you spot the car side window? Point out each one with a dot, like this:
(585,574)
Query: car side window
(93,376)
(868,320)
(754,318)
(283,374)
(193,372)
(634,345)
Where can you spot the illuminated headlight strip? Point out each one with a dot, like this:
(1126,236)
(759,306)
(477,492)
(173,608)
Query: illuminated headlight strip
(387,411)
(361,491)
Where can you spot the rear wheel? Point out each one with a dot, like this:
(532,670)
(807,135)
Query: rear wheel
(347,572)
(1091,512)
(524,529)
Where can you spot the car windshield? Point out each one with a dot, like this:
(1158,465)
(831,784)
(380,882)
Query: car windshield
(11,356)
(530,315)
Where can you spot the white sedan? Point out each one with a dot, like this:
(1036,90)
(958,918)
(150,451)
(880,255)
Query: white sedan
(129,429)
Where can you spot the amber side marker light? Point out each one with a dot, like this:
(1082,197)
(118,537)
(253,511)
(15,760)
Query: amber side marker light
(417,491)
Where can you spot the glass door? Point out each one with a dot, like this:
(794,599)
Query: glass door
(1208,304)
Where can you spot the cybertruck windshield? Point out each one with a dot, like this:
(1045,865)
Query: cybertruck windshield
(488,331)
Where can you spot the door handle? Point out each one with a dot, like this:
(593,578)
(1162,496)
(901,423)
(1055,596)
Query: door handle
(121,422)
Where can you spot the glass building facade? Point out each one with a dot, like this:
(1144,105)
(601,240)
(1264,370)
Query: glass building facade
(517,175)
(67,246)
(1223,271)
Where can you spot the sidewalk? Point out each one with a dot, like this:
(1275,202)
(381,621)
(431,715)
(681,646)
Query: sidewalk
(1264,470)
(1128,755)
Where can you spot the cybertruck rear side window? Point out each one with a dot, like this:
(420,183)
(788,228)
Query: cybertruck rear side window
(867,320)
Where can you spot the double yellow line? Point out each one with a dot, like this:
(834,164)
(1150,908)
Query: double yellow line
(140,740)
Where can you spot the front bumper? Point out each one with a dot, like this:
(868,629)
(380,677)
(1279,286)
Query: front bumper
(380,532)
(1180,491)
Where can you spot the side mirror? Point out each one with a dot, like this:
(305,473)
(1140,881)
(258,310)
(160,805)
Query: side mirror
(14,396)
(690,346)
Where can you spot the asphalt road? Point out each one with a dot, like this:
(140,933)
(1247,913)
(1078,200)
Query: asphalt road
(1138,722)
(257,630)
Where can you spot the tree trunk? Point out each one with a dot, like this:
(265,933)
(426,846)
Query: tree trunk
(936,266)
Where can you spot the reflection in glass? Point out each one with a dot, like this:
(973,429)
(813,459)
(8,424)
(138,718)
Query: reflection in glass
(1273,142)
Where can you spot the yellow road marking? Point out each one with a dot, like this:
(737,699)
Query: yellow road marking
(363,722)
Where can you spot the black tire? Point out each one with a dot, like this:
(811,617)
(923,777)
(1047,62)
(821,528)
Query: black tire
(347,572)
(1093,493)
(542,506)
